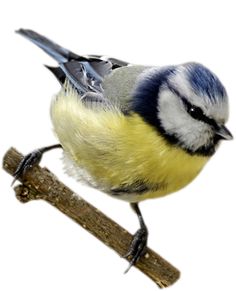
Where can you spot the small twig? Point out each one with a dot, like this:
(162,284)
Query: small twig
(40,183)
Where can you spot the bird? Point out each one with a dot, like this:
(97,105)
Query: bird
(134,132)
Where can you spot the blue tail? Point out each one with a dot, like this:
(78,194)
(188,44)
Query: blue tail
(60,54)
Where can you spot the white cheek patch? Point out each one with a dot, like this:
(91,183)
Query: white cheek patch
(175,120)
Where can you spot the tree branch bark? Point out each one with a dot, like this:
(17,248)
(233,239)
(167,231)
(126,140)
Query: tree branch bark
(40,183)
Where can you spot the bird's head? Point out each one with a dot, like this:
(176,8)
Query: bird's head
(186,103)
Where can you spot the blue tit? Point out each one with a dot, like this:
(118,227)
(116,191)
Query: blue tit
(133,132)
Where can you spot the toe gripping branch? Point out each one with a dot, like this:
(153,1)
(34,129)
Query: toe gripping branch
(40,183)
(138,246)
(30,160)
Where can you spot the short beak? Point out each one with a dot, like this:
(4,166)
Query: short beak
(223,132)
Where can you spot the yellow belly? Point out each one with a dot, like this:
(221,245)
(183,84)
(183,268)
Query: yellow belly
(117,150)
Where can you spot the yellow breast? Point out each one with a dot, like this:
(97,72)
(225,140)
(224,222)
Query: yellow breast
(117,150)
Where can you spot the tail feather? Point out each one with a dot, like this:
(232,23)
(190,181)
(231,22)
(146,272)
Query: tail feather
(57,52)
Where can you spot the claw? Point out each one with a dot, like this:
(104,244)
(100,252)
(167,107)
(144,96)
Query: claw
(137,247)
(27,162)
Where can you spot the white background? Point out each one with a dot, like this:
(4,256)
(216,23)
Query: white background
(40,248)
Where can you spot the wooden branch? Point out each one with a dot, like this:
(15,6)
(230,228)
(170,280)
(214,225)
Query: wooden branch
(40,183)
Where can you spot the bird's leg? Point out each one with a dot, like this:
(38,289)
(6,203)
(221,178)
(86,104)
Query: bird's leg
(32,159)
(138,245)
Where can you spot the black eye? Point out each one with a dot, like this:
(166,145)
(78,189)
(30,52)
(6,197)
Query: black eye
(195,112)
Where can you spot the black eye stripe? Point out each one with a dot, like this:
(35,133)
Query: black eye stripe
(194,111)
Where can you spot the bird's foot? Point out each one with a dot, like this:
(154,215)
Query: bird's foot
(26,163)
(31,160)
(137,247)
